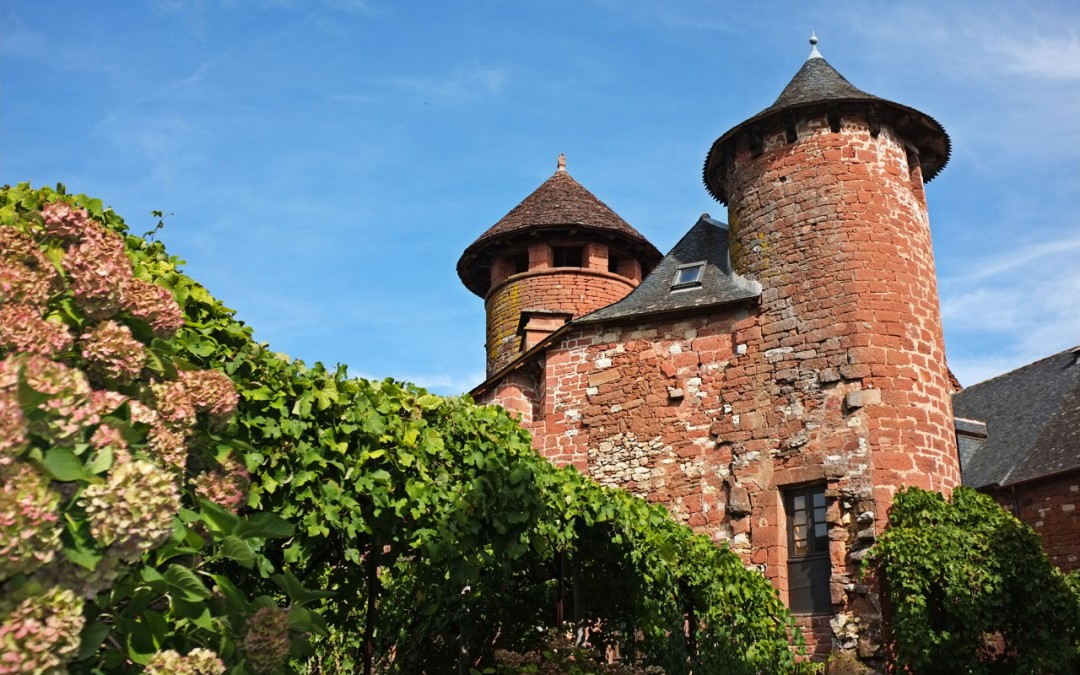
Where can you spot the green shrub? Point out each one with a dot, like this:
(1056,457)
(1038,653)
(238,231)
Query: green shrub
(971,590)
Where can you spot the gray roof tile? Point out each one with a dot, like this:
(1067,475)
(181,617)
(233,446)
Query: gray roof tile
(1032,417)
(818,87)
(707,241)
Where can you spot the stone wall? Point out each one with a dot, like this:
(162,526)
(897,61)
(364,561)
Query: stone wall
(835,379)
(1052,508)
(574,291)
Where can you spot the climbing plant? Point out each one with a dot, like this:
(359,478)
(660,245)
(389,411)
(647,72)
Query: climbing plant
(971,590)
(194,502)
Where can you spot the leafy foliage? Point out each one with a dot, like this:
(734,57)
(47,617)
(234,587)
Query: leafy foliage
(391,525)
(971,589)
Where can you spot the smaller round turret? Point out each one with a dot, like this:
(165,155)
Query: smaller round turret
(559,254)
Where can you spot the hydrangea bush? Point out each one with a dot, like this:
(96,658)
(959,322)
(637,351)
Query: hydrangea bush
(113,450)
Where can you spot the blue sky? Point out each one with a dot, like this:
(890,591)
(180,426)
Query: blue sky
(324,163)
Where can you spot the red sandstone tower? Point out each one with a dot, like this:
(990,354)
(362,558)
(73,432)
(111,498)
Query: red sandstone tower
(827,211)
(559,254)
(774,381)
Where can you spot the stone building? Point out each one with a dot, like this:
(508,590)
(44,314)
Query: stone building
(773,380)
(1019,441)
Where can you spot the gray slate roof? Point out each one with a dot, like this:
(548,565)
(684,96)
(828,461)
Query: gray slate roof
(817,87)
(706,241)
(1032,417)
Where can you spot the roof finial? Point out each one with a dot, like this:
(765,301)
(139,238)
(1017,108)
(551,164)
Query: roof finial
(814,53)
(562,164)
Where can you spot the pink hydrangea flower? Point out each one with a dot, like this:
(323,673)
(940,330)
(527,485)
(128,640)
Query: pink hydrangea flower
(112,353)
(174,406)
(41,632)
(22,329)
(226,486)
(12,424)
(68,408)
(132,511)
(105,401)
(100,272)
(26,275)
(155,305)
(211,391)
(63,221)
(29,529)
(266,642)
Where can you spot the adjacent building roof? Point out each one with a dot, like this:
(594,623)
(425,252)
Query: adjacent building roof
(706,242)
(1032,417)
(560,203)
(819,87)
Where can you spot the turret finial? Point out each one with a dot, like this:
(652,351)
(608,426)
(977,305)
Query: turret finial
(814,53)
(561,168)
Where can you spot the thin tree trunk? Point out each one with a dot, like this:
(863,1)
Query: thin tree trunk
(463,642)
(560,604)
(369,621)
(579,602)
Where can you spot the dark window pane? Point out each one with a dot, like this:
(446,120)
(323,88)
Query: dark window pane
(688,275)
(808,585)
(566,256)
(809,566)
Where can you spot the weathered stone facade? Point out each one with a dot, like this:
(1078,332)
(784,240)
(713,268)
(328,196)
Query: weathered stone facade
(829,376)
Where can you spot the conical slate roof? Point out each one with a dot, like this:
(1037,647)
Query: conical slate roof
(559,204)
(819,87)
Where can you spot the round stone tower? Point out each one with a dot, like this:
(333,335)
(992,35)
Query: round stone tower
(844,392)
(559,254)
(826,208)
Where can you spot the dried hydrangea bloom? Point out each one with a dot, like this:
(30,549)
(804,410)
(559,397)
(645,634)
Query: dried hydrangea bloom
(106,402)
(68,409)
(155,305)
(168,446)
(211,391)
(26,275)
(112,353)
(22,329)
(132,511)
(12,424)
(227,486)
(84,583)
(100,272)
(63,221)
(266,642)
(199,661)
(29,520)
(41,632)
(174,407)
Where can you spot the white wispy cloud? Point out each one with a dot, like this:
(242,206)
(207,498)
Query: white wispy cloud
(1051,57)
(1030,257)
(1014,309)
(444,384)
(461,84)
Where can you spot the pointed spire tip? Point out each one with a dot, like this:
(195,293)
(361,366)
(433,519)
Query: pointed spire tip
(814,53)
(561,166)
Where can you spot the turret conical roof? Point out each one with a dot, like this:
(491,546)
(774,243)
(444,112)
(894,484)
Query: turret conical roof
(559,204)
(819,87)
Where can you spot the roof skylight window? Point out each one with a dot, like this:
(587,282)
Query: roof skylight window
(688,276)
